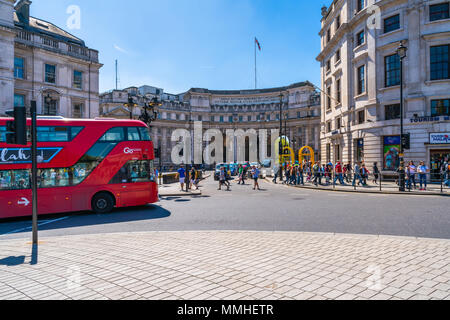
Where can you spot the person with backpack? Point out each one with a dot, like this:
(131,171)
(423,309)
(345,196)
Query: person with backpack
(255,175)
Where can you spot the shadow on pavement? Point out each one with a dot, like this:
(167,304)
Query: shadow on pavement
(12,261)
(83,219)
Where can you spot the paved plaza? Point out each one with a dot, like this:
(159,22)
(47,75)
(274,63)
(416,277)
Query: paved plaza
(225,265)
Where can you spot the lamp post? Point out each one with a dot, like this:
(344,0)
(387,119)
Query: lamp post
(280,151)
(401,52)
(130,105)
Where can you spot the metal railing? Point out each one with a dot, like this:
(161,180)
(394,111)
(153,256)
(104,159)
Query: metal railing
(413,183)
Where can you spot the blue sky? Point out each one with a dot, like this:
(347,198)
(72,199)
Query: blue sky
(179,44)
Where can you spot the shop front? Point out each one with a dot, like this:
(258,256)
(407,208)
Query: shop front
(439,152)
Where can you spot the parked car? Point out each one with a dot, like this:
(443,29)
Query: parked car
(267,163)
(233,169)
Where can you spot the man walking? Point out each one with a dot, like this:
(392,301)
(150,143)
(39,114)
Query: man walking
(357,175)
(255,175)
(276,169)
(423,170)
(182,176)
(338,174)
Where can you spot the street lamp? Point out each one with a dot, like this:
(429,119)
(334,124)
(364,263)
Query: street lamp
(130,105)
(401,52)
(280,151)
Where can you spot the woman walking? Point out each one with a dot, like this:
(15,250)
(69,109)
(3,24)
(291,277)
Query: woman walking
(376,173)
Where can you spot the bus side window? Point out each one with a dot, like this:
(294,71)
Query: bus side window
(15,180)
(75,131)
(144,134)
(114,134)
(133,134)
(2,134)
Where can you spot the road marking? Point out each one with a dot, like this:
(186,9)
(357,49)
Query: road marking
(44,222)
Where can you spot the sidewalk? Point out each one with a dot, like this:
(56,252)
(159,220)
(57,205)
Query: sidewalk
(386,188)
(224,265)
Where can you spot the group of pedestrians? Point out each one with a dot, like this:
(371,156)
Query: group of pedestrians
(329,173)
(192,178)
(243,170)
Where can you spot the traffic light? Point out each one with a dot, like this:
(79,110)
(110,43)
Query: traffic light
(16,131)
(406,141)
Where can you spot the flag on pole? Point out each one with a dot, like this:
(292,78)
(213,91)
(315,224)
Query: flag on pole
(257,42)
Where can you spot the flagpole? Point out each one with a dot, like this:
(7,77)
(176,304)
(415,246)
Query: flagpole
(255,67)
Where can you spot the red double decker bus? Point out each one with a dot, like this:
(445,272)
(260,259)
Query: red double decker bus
(83,165)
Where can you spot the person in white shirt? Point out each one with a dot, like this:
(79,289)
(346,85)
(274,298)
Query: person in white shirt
(411,171)
(423,170)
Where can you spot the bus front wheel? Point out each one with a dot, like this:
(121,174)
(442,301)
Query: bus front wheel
(102,203)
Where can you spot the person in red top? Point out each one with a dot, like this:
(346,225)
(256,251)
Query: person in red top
(338,173)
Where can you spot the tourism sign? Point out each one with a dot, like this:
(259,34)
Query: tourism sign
(440,138)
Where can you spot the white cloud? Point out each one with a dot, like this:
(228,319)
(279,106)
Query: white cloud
(120,49)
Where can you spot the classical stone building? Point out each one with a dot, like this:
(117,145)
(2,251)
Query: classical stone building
(360,73)
(40,61)
(241,109)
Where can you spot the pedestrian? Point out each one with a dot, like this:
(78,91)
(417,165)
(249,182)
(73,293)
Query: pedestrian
(326,173)
(240,174)
(276,169)
(423,170)
(300,175)
(194,178)
(357,175)
(287,174)
(316,173)
(255,175)
(182,176)
(411,174)
(376,173)
(349,172)
(223,179)
(292,175)
(445,172)
(338,173)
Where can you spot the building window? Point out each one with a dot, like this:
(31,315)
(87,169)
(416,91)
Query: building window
(230,119)
(359,146)
(338,123)
(50,107)
(392,23)
(328,152)
(338,90)
(328,65)
(50,73)
(328,126)
(211,119)
(249,118)
(78,110)
(221,118)
(299,115)
(328,35)
(77,79)
(329,98)
(439,62)
(338,22)
(359,5)
(392,111)
(361,117)
(361,80)
(360,38)
(440,107)
(392,70)
(241,119)
(19,100)
(19,68)
(439,11)
(338,55)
